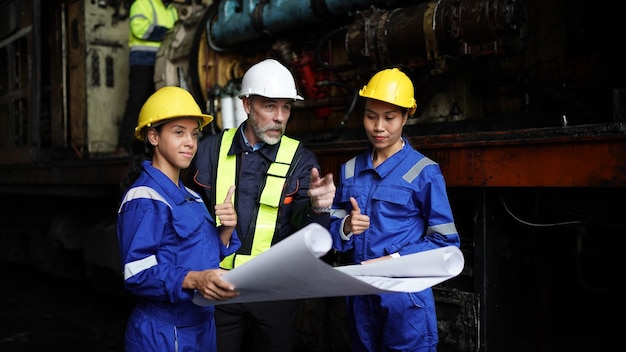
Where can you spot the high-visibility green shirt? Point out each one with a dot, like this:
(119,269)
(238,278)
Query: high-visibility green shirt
(150,20)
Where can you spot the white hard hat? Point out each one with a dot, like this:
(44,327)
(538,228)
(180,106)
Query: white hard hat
(269,78)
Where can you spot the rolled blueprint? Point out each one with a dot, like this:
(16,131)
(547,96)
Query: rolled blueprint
(291,269)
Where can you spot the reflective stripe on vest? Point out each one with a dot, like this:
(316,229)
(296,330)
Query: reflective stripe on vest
(226,169)
(271,195)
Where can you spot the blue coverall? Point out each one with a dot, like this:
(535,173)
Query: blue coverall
(164,231)
(406,200)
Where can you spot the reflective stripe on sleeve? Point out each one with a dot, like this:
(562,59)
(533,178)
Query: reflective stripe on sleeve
(133,268)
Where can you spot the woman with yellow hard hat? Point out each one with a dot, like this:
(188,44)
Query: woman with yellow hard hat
(170,245)
(391,201)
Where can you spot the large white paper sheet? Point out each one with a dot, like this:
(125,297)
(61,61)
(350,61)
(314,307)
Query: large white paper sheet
(291,269)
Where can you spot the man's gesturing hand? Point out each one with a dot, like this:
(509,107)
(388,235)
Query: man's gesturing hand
(321,190)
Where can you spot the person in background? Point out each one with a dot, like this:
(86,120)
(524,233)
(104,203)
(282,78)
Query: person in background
(391,201)
(169,244)
(149,22)
(279,191)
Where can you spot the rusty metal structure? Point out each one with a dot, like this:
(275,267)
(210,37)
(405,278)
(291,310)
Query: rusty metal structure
(521,102)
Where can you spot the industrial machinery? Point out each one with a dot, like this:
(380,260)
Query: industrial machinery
(521,102)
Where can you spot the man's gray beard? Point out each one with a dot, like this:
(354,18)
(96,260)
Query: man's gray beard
(260,133)
(271,141)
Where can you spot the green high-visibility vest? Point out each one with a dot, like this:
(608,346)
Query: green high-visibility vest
(276,177)
(150,14)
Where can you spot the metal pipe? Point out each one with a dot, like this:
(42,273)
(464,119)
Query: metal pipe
(239,21)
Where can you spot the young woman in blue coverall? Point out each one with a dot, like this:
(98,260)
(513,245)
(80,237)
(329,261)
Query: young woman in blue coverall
(391,201)
(169,243)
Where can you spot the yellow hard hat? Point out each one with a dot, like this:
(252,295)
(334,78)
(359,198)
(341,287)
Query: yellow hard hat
(167,103)
(391,86)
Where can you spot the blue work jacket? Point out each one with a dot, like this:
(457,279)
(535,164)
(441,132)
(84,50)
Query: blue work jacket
(406,200)
(164,231)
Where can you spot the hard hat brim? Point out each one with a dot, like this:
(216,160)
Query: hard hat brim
(247,95)
(203,120)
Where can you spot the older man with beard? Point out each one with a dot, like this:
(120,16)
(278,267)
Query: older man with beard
(279,190)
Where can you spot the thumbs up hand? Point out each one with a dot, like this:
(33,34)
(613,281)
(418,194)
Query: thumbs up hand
(225,212)
(357,222)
